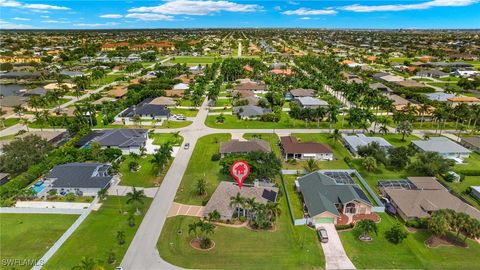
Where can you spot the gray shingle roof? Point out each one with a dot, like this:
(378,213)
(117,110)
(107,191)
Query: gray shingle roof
(249,111)
(144,108)
(311,101)
(80,175)
(440,145)
(122,137)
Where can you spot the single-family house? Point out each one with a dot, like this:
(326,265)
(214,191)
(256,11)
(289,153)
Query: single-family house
(181,86)
(444,146)
(293,149)
(221,198)
(472,143)
(129,140)
(328,197)
(243,147)
(83,179)
(252,86)
(250,112)
(439,96)
(165,101)
(301,92)
(310,102)
(455,101)
(146,110)
(353,142)
(419,197)
(432,73)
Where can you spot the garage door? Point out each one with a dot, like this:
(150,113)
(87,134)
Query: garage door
(323,220)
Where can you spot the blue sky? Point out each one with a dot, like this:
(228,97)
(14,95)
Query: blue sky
(92,14)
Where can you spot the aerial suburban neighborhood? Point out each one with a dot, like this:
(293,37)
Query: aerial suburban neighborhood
(181,135)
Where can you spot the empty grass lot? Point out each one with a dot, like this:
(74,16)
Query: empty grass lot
(241,248)
(96,236)
(162,138)
(201,166)
(38,232)
(144,177)
(411,253)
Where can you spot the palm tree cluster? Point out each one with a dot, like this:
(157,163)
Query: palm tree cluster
(445,220)
(161,157)
(202,229)
(137,199)
(259,215)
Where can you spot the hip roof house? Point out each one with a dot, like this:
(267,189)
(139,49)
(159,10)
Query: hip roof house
(353,142)
(443,146)
(236,146)
(292,149)
(129,140)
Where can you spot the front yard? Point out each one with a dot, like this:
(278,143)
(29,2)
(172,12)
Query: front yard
(412,253)
(38,232)
(242,248)
(144,177)
(96,236)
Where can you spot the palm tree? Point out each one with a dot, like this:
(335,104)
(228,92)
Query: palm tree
(249,206)
(102,194)
(201,187)
(273,209)
(335,136)
(383,129)
(161,157)
(311,165)
(176,136)
(136,198)
(193,229)
(236,202)
(424,109)
(213,216)
(438,224)
(88,263)
(220,118)
(405,127)
(121,237)
(370,164)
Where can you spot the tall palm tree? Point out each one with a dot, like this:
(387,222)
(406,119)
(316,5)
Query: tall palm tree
(335,136)
(237,201)
(273,209)
(121,237)
(311,165)
(136,198)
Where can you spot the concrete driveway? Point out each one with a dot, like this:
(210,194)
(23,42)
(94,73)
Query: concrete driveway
(335,256)
(179,209)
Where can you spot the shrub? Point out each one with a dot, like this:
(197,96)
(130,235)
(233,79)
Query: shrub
(396,234)
(242,218)
(70,197)
(216,157)
(344,226)
(420,223)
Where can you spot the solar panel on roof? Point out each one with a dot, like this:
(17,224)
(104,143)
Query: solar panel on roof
(269,195)
(341,177)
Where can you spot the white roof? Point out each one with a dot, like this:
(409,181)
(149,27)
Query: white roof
(392,78)
(358,140)
(440,145)
(311,101)
(180,86)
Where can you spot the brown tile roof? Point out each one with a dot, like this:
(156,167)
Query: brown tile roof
(236,146)
(251,86)
(118,91)
(174,93)
(291,145)
(426,182)
(166,101)
(464,99)
(300,92)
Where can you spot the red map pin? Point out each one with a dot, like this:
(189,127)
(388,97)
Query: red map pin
(240,170)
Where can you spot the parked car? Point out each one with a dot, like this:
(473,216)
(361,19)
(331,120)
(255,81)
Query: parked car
(181,117)
(186,146)
(322,235)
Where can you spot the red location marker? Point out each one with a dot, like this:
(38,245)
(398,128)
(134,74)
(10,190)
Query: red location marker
(240,170)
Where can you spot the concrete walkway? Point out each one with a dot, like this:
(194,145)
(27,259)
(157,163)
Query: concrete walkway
(123,190)
(335,256)
(179,209)
(53,249)
(31,210)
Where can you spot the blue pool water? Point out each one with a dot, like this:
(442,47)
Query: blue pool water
(39,188)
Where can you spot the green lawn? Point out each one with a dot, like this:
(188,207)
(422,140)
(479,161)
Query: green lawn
(185,102)
(194,60)
(201,166)
(396,139)
(29,236)
(174,124)
(96,236)
(449,79)
(162,138)
(8,122)
(107,79)
(427,125)
(144,177)
(232,121)
(223,102)
(271,138)
(295,197)
(241,248)
(411,253)
(185,112)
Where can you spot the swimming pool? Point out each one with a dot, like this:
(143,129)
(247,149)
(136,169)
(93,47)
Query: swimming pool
(38,188)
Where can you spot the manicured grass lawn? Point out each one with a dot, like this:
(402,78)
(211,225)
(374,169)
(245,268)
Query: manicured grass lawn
(223,102)
(174,124)
(96,236)
(381,173)
(241,248)
(185,112)
(194,60)
(144,177)
(232,121)
(411,253)
(271,138)
(201,166)
(428,125)
(447,85)
(8,122)
(185,102)
(107,79)
(29,236)
(449,79)
(460,188)
(295,197)
(162,138)
(470,163)
(396,139)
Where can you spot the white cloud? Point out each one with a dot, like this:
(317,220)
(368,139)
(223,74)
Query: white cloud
(8,25)
(45,16)
(21,19)
(305,18)
(307,11)
(111,16)
(53,21)
(16,4)
(95,24)
(149,17)
(192,7)
(293,3)
(418,6)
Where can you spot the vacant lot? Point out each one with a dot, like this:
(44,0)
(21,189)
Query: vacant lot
(29,236)
(96,236)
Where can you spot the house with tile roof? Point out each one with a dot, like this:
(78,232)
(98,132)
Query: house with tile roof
(242,147)
(293,149)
